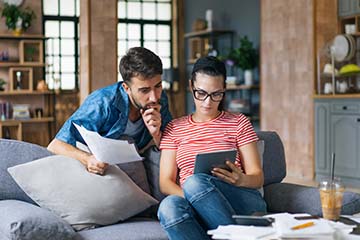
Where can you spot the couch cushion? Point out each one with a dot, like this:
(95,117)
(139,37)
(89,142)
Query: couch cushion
(14,153)
(293,198)
(21,220)
(133,229)
(152,163)
(63,185)
(274,165)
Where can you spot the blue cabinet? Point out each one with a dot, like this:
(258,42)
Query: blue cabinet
(337,130)
(348,7)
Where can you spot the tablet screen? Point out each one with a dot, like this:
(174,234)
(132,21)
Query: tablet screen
(205,162)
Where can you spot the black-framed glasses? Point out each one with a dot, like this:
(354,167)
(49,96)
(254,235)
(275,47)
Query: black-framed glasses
(202,95)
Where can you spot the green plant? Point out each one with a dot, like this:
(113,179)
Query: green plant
(15,16)
(29,52)
(2,83)
(245,56)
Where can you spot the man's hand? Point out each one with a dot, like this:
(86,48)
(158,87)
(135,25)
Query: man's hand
(95,166)
(233,177)
(152,120)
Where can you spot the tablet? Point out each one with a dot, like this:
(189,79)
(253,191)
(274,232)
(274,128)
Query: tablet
(253,220)
(205,162)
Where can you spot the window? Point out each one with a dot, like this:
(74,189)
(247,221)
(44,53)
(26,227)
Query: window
(61,24)
(145,23)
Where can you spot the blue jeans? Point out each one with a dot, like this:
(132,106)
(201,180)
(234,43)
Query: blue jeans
(208,203)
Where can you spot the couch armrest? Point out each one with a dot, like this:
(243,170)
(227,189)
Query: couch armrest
(25,221)
(293,198)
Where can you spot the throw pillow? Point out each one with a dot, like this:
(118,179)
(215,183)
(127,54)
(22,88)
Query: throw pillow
(135,170)
(63,185)
(25,221)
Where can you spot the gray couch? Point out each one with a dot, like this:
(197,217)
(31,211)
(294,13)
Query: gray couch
(280,197)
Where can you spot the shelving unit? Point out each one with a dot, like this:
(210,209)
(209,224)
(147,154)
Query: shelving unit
(239,98)
(337,115)
(24,63)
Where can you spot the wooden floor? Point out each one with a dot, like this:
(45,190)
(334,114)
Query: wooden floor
(313,183)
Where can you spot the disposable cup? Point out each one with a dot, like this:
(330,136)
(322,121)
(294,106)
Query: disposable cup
(331,195)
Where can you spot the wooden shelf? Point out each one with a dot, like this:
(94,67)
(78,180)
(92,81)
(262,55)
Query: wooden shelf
(22,36)
(18,64)
(10,122)
(25,92)
(208,33)
(337,95)
(241,87)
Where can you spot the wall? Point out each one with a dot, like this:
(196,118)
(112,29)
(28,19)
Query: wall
(98,45)
(287,74)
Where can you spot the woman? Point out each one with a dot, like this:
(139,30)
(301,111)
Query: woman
(201,202)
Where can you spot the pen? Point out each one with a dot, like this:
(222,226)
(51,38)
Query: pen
(304,225)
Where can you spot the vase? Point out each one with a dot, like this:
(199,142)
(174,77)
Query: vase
(248,77)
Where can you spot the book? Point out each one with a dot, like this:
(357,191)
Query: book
(108,150)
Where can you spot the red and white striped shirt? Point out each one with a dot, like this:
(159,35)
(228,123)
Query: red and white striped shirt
(188,138)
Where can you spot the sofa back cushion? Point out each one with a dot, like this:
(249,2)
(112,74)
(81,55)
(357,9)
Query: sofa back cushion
(14,153)
(274,165)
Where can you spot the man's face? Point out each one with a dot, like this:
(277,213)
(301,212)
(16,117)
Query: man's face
(144,93)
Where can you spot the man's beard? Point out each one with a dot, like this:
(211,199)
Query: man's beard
(144,107)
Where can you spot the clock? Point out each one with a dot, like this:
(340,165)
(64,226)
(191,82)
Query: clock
(13,2)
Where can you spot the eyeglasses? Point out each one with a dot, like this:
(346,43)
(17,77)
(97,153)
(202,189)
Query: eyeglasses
(202,95)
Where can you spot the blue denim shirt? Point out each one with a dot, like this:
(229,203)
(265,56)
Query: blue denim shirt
(106,111)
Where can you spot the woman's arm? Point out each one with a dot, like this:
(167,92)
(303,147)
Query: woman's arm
(168,173)
(253,176)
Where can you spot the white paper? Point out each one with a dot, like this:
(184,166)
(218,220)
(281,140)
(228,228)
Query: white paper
(108,150)
(285,221)
(238,232)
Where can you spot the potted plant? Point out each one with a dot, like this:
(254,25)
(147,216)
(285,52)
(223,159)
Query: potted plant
(245,57)
(17,19)
(2,83)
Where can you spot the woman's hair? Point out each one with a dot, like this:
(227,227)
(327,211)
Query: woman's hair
(139,61)
(210,66)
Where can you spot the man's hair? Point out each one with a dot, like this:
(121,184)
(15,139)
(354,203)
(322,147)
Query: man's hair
(211,66)
(139,61)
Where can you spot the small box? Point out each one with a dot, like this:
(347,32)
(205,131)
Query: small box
(21,79)
(31,51)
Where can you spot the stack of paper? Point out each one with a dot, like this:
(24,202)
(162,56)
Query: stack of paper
(320,230)
(237,232)
(108,150)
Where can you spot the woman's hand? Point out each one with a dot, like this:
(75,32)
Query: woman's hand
(233,177)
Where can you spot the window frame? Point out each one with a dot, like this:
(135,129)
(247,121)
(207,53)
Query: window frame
(75,20)
(143,22)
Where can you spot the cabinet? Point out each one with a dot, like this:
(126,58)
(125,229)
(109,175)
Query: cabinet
(25,112)
(335,75)
(348,7)
(337,130)
(239,98)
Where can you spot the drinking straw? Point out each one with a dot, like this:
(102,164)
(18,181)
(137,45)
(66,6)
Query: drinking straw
(332,167)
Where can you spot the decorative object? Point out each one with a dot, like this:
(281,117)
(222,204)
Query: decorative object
(31,51)
(42,86)
(245,57)
(198,25)
(39,113)
(209,19)
(21,111)
(2,83)
(17,19)
(21,79)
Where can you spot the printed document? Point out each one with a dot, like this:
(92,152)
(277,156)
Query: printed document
(108,150)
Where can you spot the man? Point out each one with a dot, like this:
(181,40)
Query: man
(135,108)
